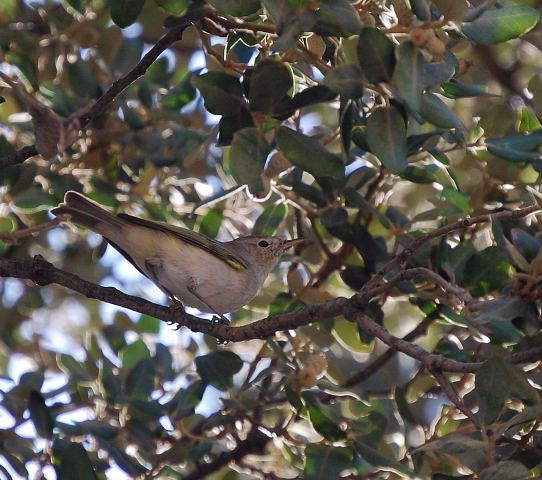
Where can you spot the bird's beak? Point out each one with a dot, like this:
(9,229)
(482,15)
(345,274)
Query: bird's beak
(292,243)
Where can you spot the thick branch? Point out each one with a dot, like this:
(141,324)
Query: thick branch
(44,273)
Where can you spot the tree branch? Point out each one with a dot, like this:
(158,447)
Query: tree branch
(91,111)
(43,273)
(19,156)
(439,232)
(14,238)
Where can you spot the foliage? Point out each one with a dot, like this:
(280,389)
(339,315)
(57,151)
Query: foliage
(371,128)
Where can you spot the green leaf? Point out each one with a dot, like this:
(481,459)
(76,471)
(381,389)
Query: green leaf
(346,80)
(211,222)
(73,368)
(507,470)
(186,400)
(237,8)
(217,368)
(308,154)
(379,460)
(249,150)
(269,220)
(8,9)
(525,143)
(348,335)
(502,24)
(72,462)
(487,271)
(180,95)
(83,79)
(334,216)
(460,90)
(386,136)
(40,415)
(376,55)
(148,324)
(175,7)
(337,18)
(34,200)
(269,84)
(125,12)
(222,93)
(139,382)
(492,387)
(437,73)
(528,120)
(324,425)
(459,199)
(134,353)
(513,155)
(435,111)
(324,462)
(408,74)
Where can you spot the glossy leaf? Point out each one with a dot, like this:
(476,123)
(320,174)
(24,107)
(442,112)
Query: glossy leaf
(459,89)
(337,18)
(507,470)
(435,111)
(528,121)
(408,74)
(378,459)
(125,12)
(386,137)
(487,271)
(175,7)
(502,24)
(238,8)
(376,55)
(40,415)
(217,368)
(221,92)
(134,353)
(269,220)
(140,380)
(324,462)
(269,84)
(309,154)
(249,152)
(73,463)
(346,80)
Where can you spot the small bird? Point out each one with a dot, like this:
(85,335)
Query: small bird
(191,268)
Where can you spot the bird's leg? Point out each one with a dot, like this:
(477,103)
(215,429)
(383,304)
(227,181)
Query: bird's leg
(192,286)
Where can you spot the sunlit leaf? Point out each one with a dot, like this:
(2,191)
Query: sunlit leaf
(501,24)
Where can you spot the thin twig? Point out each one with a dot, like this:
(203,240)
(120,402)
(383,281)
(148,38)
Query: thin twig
(450,392)
(18,157)
(14,238)
(439,232)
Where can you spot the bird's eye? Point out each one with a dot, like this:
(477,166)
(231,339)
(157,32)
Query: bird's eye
(263,243)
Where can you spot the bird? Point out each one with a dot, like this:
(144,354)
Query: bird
(192,269)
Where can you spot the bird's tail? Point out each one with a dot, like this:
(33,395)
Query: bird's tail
(88,213)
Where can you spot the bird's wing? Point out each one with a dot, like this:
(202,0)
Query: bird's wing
(197,239)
